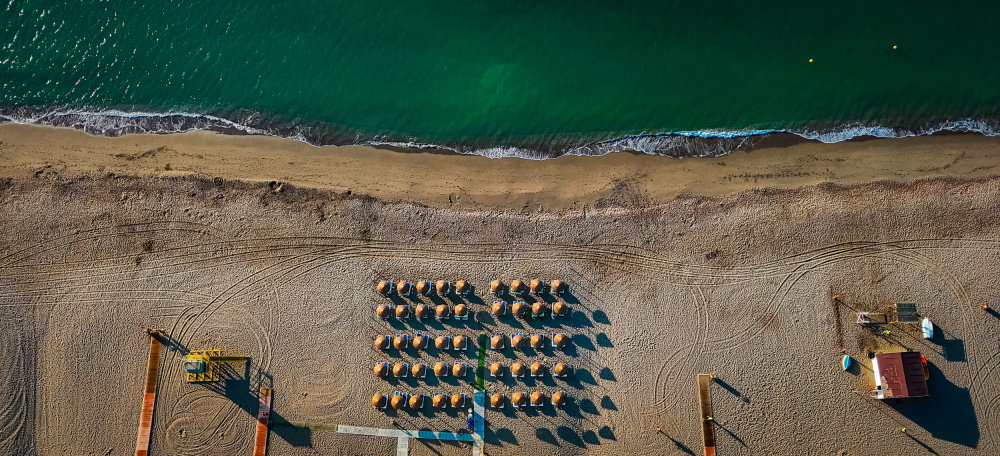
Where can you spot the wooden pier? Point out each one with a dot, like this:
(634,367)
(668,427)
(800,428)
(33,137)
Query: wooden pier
(149,397)
(707,420)
(263,415)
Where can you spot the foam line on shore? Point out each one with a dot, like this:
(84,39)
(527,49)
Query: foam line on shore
(682,144)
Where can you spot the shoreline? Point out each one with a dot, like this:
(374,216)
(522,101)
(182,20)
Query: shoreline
(480,183)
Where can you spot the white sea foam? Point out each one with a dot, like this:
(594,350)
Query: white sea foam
(676,144)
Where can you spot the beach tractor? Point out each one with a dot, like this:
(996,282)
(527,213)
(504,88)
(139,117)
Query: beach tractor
(202,366)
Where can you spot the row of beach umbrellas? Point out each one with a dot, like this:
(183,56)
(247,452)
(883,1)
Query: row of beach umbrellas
(420,342)
(423,287)
(444,342)
(400,400)
(422,311)
(517,287)
(443,369)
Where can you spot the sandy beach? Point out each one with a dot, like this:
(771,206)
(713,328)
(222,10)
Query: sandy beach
(478,183)
(272,249)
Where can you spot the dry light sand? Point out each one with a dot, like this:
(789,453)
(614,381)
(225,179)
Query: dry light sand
(676,267)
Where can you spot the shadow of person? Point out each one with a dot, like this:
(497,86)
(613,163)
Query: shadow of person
(682,447)
(726,386)
(731,434)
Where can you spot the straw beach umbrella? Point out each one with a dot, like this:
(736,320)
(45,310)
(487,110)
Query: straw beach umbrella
(379,400)
(517,341)
(458,400)
(537,370)
(517,287)
(416,401)
(540,309)
(517,369)
(400,370)
(384,288)
(559,398)
(519,399)
(424,287)
(421,311)
(496,342)
(496,287)
(440,400)
(400,342)
(443,312)
(404,288)
(520,309)
(441,369)
(458,370)
(560,369)
(381,343)
(442,342)
(460,343)
(537,286)
(537,341)
(496,369)
(418,370)
(537,398)
(461,311)
(500,308)
(398,401)
(560,340)
(443,287)
(496,400)
(383,311)
(420,342)
(558,287)
(402,311)
(381,369)
(560,308)
(462,287)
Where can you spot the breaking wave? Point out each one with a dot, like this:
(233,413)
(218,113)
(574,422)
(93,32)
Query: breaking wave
(682,144)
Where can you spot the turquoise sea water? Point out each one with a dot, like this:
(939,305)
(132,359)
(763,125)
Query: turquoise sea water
(514,77)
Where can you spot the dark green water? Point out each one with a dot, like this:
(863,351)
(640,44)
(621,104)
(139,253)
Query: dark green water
(545,75)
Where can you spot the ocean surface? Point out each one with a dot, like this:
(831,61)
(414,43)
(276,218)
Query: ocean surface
(526,78)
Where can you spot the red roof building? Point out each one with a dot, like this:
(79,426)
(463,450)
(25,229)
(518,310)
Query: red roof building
(899,375)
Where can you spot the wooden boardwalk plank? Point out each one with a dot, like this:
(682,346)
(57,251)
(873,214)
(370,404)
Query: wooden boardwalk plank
(149,398)
(263,415)
(705,402)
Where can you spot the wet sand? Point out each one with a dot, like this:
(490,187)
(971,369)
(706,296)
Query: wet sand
(472,182)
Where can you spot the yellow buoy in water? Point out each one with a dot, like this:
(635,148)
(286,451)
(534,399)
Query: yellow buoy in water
(894,46)
(810,60)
